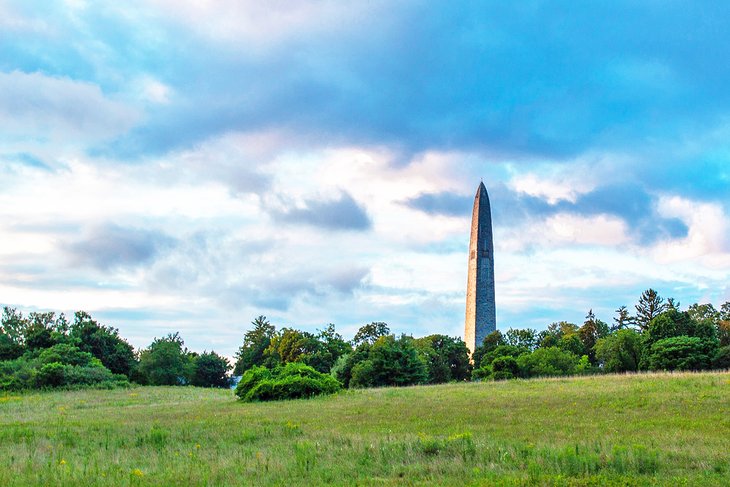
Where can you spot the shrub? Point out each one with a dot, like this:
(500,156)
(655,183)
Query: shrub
(681,353)
(65,354)
(550,361)
(51,375)
(292,381)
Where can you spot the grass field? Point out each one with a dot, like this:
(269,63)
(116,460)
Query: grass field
(607,430)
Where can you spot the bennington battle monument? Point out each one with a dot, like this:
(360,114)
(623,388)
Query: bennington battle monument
(480,307)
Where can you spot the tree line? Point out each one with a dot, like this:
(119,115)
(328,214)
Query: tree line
(658,336)
(47,350)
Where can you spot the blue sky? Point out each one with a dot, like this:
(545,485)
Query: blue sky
(186,166)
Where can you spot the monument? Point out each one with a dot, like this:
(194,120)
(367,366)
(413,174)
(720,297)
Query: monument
(480,307)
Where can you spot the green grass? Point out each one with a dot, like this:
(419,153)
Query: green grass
(659,429)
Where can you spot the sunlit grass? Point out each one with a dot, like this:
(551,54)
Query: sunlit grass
(623,430)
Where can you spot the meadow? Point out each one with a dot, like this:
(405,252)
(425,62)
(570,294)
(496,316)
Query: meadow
(649,429)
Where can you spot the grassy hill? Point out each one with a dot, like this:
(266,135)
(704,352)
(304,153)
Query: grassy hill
(659,429)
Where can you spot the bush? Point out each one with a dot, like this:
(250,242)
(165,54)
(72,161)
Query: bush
(681,353)
(66,354)
(550,361)
(51,375)
(292,381)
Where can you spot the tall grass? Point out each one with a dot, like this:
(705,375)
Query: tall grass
(658,429)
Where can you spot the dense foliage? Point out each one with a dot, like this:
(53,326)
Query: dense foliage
(44,350)
(290,381)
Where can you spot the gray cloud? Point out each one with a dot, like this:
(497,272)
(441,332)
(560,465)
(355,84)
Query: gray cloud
(630,202)
(109,246)
(340,213)
(444,203)
(55,107)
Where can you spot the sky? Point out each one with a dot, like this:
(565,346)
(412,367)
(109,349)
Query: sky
(189,165)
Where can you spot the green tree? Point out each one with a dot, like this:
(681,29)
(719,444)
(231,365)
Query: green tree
(526,338)
(13,325)
(490,342)
(673,323)
(550,361)
(41,331)
(166,362)
(622,319)
(555,332)
(390,362)
(292,345)
(331,347)
(650,305)
(590,332)
(680,353)
(486,368)
(211,370)
(104,343)
(721,359)
(619,352)
(447,358)
(370,333)
(255,341)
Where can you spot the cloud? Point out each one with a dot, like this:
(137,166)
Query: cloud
(110,246)
(443,203)
(42,107)
(339,213)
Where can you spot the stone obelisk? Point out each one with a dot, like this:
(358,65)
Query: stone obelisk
(480,307)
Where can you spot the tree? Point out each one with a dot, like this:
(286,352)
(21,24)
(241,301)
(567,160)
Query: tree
(725,311)
(211,370)
(680,353)
(721,359)
(291,345)
(650,305)
(622,319)
(13,325)
(549,361)
(332,347)
(526,338)
(590,332)
(490,342)
(39,332)
(673,323)
(166,362)
(255,341)
(486,369)
(619,352)
(370,333)
(104,343)
(555,332)
(390,362)
(701,312)
(447,358)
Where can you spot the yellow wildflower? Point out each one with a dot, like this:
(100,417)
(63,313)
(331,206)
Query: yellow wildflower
(137,472)
(62,462)
(197,446)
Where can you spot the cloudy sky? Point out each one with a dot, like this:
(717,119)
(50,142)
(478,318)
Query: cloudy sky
(188,165)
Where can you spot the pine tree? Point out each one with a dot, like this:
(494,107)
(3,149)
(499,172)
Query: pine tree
(650,305)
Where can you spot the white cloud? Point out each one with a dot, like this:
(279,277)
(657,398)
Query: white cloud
(708,237)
